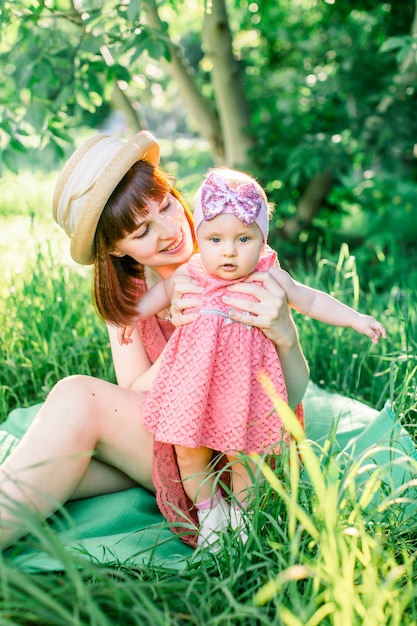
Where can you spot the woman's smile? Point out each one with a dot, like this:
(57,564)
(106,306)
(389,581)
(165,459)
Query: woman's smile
(177,245)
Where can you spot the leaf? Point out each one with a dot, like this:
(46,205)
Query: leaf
(294,508)
(133,10)
(156,49)
(83,100)
(36,115)
(17,145)
(271,588)
(118,72)
(11,160)
(141,45)
(61,134)
(392,43)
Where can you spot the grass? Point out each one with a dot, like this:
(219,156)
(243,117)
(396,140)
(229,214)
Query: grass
(327,548)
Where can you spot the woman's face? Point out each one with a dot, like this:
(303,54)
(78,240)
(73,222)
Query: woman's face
(162,238)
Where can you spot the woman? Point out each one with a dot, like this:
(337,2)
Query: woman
(124,216)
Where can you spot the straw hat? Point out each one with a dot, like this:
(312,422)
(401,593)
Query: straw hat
(87,182)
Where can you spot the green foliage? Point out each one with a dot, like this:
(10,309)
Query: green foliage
(57,335)
(379,221)
(49,327)
(319,107)
(330,87)
(321,552)
(403,46)
(61,66)
(338,558)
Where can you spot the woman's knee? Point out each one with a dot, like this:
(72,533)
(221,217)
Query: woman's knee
(73,397)
(69,386)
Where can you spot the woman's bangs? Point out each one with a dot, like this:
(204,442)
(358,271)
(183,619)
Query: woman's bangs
(128,204)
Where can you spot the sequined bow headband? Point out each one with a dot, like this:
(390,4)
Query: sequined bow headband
(245,201)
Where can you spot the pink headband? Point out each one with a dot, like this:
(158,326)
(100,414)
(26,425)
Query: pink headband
(246,202)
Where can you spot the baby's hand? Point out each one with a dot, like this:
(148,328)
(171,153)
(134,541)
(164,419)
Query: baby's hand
(124,334)
(368,325)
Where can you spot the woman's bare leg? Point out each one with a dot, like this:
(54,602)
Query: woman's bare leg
(82,415)
(101,479)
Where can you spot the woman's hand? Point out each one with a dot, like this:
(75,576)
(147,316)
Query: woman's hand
(270,312)
(184,297)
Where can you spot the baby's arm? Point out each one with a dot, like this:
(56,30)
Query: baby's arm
(323,307)
(155,299)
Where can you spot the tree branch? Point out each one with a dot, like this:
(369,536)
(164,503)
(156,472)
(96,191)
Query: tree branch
(200,108)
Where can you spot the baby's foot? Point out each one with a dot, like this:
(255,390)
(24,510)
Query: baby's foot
(213,522)
(239,520)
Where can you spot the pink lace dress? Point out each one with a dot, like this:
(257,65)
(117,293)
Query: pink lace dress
(207,391)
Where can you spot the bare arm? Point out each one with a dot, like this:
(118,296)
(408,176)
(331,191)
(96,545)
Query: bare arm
(155,299)
(130,361)
(145,381)
(323,307)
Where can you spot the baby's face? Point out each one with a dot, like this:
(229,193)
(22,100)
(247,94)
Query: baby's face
(229,249)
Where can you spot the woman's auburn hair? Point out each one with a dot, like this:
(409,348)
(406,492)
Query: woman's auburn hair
(116,289)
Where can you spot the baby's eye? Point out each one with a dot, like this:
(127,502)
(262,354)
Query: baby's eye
(244,239)
(215,239)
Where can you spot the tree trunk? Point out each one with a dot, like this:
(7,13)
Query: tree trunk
(227,84)
(309,204)
(199,107)
(121,102)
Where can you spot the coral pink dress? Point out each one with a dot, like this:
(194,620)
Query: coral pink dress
(207,391)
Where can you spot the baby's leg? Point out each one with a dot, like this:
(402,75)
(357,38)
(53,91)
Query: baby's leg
(242,480)
(193,464)
(212,510)
(243,473)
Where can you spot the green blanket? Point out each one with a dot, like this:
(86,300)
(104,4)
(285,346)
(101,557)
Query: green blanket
(127,528)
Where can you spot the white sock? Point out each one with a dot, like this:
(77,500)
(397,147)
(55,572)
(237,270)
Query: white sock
(213,516)
(239,520)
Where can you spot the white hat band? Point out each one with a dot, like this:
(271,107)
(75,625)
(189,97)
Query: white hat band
(89,168)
